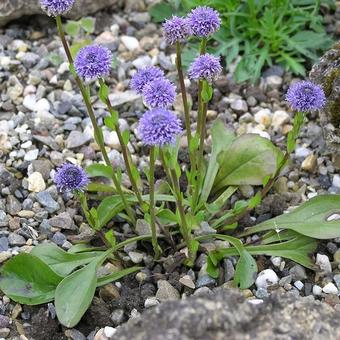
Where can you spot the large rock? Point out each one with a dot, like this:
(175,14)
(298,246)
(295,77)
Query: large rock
(227,315)
(13,9)
(326,72)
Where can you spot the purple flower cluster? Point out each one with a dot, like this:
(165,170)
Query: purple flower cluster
(159,93)
(305,96)
(176,29)
(93,62)
(56,7)
(144,76)
(159,127)
(204,21)
(201,22)
(70,177)
(205,67)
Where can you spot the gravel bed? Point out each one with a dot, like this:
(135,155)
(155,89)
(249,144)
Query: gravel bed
(43,123)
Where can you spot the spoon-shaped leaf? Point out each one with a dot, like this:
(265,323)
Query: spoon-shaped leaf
(74,294)
(60,261)
(318,218)
(27,279)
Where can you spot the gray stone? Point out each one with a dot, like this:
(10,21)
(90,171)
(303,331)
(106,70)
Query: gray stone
(13,205)
(46,200)
(3,243)
(59,238)
(13,9)
(117,317)
(62,221)
(77,139)
(228,315)
(4,321)
(166,291)
(16,239)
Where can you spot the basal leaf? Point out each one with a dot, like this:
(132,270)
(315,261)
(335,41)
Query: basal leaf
(60,261)
(74,294)
(28,280)
(248,160)
(104,280)
(221,141)
(318,218)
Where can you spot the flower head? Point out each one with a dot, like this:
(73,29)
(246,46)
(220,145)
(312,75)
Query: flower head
(205,67)
(176,29)
(144,76)
(159,127)
(159,93)
(56,7)
(204,21)
(70,177)
(93,62)
(305,96)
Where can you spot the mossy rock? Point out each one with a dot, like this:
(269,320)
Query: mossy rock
(326,72)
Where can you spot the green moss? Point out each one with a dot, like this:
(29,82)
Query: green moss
(333,109)
(329,81)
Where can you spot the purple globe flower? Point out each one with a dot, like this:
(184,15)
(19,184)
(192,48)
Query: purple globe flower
(205,67)
(204,21)
(56,7)
(70,177)
(159,93)
(93,62)
(176,29)
(144,76)
(305,96)
(159,127)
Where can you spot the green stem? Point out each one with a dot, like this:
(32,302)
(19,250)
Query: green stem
(97,132)
(186,233)
(125,151)
(155,244)
(183,92)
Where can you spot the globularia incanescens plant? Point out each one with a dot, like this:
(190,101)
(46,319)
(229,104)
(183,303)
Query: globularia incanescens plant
(175,214)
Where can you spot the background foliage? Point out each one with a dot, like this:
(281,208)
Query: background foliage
(257,33)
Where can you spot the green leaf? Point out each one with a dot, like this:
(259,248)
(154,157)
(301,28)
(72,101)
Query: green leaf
(221,141)
(107,209)
(317,218)
(104,280)
(74,294)
(99,170)
(207,92)
(100,187)
(161,11)
(72,28)
(88,24)
(126,137)
(297,249)
(248,160)
(60,261)
(111,238)
(103,92)
(246,268)
(245,271)
(28,280)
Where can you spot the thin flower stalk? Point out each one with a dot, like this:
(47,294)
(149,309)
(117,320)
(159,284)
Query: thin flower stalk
(155,244)
(125,151)
(97,132)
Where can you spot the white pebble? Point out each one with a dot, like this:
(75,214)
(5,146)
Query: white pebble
(266,278)
(298,284)
(330,288)
(255,301)
(131,43)
(276,261)
(31,155)
(336,181)
(317,290)
(109,331)
(323,262)
(264,117)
